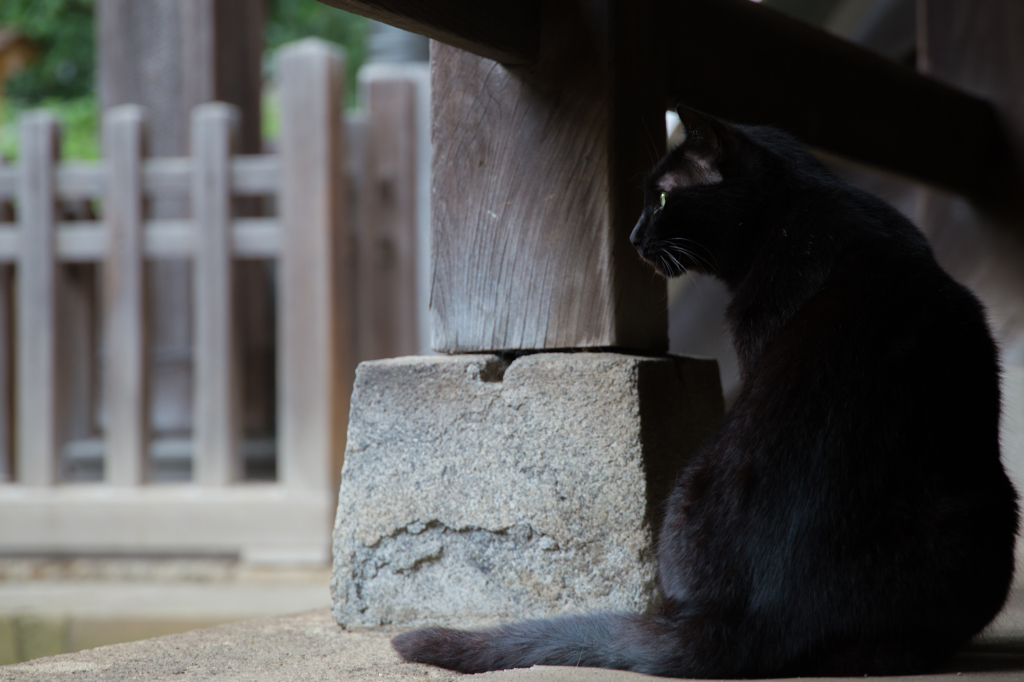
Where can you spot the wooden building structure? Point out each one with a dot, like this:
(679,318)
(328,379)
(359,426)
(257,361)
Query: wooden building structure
(545,114)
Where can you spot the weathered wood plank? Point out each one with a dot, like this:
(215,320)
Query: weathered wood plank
(126,367)
(168,177)
(535,188)
(314,327)
(254,175)
(81,181)
(37,381)
(386,265)
(215,459)
(169,239)
(251,175)
(85,241)
(506,31)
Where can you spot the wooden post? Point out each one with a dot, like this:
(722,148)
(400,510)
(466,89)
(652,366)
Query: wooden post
(126,366)
(6,356)
(536,179)
(215,459)
(171,55)
(386,266)
(314,329)
(37,433)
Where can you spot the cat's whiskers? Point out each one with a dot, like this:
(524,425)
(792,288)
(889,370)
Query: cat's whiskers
(712,263)
(681,250)
(670,260)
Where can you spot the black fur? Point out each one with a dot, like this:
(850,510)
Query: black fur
(852,515)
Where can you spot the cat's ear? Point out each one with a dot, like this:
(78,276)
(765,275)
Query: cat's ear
(706,139)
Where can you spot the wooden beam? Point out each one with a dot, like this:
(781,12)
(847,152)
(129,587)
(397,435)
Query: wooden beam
(507,31)
(536,188)
(750,64)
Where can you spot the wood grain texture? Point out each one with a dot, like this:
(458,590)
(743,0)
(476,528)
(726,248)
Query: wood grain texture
(386,267)
(751,64)
(314,330)
(126,367)
(536,186)
(506,31)
(215,459)
(977,46)
(37,381)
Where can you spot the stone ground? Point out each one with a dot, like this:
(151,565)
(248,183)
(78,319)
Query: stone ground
(310,646)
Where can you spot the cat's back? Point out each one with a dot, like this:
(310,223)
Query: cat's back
(868,437)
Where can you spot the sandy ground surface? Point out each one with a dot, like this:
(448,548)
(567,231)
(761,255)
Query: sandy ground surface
(310,646)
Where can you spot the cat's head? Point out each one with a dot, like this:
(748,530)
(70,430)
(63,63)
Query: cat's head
(694,199)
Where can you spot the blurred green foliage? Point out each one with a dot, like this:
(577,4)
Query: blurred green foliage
(79,122)
(62,32)
(61,78)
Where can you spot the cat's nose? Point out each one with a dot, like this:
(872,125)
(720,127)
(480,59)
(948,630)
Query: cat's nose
(636,236)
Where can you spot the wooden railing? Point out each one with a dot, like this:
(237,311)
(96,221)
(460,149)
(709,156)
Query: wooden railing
(310,239)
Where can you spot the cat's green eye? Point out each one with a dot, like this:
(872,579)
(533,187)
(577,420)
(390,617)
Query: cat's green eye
(662,198)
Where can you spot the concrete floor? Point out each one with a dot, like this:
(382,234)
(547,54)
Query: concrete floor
(310,646)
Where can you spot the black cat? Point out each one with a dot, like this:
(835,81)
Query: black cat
(852,515)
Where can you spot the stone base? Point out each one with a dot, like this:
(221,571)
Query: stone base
(474,490)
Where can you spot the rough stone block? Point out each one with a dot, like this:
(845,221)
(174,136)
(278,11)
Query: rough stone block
(474,490)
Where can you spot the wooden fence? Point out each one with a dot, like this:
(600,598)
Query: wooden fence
(312,240)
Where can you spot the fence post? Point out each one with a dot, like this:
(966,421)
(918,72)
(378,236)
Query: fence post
(6,355)
(126,366)
(314,328)
(386,266)
(37,360)
(215,458)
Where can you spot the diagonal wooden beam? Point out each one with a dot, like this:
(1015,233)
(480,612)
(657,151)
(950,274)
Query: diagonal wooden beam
(750,64)
(507,31)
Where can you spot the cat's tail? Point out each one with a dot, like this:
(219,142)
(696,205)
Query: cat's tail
(608,640)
